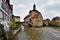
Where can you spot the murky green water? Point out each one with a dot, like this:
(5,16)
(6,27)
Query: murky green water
(29,34)
(38,34)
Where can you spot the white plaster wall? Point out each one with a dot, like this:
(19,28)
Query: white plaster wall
(5,22)
(0,14)
(0,3)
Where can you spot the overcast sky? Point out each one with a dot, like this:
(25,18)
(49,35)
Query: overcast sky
(48,8)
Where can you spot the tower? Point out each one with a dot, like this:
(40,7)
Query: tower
(36,19)
(34,7)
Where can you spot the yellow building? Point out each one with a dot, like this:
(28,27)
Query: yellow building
(56,21)
(16,18)
(36,17)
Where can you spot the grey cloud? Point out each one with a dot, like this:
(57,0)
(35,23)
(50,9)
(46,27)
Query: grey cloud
(42,2)
(55,7)
(48,9)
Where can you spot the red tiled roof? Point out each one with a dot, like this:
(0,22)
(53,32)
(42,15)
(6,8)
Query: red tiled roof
(27,16)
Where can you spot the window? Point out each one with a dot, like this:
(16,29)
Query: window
(3,16)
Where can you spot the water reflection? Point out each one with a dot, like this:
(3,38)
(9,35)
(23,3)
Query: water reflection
(29,34)
(34,34)
(22,27)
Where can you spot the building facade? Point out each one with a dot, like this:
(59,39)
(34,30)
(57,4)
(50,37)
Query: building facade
(35,18)
(46,22)
(6,11)
(56,21)
(16,18)
(26,19)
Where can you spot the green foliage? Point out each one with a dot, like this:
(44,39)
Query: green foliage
(1,25)
(3,32)
(52,23)
(11,28)
(44,24)
(5,35)
(13,23)
(55,22)
(18,23)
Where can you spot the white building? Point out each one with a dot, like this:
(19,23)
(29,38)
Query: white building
(5,13)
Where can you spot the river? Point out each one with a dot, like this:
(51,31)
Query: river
(37,34)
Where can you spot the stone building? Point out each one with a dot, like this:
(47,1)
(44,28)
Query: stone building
(6,10)
(16,18)
(34,18)
(56,21)
(26,19)
(46,22)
